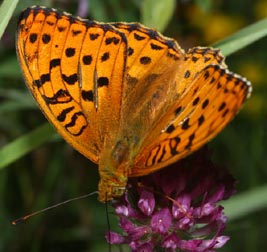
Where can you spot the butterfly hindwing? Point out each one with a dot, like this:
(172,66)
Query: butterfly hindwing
(205,106)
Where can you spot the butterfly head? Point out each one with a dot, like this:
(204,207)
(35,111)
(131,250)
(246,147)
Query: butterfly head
(111,189)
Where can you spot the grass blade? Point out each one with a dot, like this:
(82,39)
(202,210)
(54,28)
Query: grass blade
(246,203)
(243,37)
(25,144)
(6,10)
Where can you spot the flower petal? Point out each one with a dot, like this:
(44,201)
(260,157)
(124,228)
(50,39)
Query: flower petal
(161,221)
(171,241)
(181,205)
(115,238)
(146,202)
(145,247)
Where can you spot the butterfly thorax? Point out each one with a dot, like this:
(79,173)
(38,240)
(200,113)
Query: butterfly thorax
(113,168)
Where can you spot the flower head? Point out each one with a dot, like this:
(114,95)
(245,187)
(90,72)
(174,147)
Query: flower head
(175,209)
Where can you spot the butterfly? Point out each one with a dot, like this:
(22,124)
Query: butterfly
(122,94)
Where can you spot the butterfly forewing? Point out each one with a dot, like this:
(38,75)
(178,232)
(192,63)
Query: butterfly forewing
(149,85)
(69,66)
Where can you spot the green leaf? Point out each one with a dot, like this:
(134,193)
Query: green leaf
(245,203)
(6,10)
(243,37)
(25,144)
(157,13)
(204,5)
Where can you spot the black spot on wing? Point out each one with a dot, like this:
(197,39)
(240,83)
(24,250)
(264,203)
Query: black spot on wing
(205,103)
(170,129)
(195,102)
(172,56)
(102,81)
(62,116)
(61,28)
(43,79)
(206,59)
(225,112)
(72,123)
(187,74)
(195,59)
(174,144)
(113,40)
(46,38)
(206,75)
(201,119)
(130,51)
(178,111)
(138,37)
(87,59)
(212,80)
(61,96)
(88,95)
(190,141)
(75,32)
(185,124)
(93,36)
(155,47)
(145,60)
(50,23)
(105,56)
(54,63)
(33,37)
(163,153)
(71,79)
(153,161)
(222,106)
(69,52)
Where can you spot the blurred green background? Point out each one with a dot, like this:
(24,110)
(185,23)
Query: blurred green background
(54,172)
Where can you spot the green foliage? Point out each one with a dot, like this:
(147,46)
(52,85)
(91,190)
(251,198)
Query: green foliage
(157,13)
(243,38)
(205,5)
(237,207)
(6,11)
(23,145)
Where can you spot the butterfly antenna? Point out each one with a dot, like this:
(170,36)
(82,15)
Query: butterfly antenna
(21,219)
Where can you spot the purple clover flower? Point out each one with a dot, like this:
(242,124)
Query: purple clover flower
(175,209)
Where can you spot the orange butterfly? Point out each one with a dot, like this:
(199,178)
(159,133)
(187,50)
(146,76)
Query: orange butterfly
(122,94)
